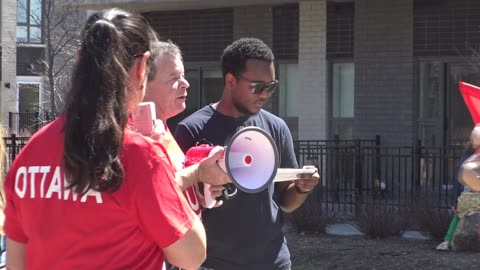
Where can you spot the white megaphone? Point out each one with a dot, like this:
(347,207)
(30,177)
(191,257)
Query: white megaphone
(250,160)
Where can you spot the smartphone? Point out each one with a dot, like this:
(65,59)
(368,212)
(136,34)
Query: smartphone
(144,118)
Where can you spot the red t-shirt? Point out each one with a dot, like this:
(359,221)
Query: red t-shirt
(123,230)
(178,158)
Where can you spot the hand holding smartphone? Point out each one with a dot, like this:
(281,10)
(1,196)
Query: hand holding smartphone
(144,118)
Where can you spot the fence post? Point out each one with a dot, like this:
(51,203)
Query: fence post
(37,121)
(13,138)
(358,166)
(10,116)
(335,165)
(417,152)
(378,171)
(359,200)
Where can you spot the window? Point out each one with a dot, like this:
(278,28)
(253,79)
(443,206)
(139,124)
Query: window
(430,103)
(442,117)
(29,93)
(459,120)
(343,79)
(29,102)
(288,90)
(29,21)
(287,96)
(212,85)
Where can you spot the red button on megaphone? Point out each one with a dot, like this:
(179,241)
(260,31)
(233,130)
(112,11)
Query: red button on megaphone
(250,160)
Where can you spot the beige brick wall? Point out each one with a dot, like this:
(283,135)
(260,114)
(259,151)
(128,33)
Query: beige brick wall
(313,70)
(254,21)
(384,71)
(8,96)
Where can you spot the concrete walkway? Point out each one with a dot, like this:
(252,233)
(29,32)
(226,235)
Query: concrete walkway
(346,229)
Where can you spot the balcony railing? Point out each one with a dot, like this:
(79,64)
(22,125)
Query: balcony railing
(27,122)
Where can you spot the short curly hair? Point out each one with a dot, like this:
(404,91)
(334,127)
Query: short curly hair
(235,56)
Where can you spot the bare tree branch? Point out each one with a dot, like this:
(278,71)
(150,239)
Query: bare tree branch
(61,29)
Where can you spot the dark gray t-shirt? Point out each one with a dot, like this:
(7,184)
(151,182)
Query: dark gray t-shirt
(245,232)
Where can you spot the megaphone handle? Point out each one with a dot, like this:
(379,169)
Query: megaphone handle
(209,200)
(230,192)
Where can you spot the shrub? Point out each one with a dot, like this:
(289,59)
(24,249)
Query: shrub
(377,219)
(430,218)
(310,217)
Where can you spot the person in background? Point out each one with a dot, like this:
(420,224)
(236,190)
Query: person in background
(246,232)
(456,191)
(167,88)
(87,192)
(469,156)
(3,250)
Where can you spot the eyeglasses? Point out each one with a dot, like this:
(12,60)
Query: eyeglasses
(259,87)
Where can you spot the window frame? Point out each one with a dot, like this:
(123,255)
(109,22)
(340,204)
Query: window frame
(30,80)
(276,96)
(441,125)
(331,122)
(28,24)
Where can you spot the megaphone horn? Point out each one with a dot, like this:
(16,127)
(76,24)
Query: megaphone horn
(250,160)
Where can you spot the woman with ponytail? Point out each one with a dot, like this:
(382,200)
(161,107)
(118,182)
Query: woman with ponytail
(86,192)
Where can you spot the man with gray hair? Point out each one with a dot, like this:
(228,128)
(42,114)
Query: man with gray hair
(167,88)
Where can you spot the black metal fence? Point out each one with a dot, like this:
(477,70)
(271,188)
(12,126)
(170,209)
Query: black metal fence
(359,172)
(13,145)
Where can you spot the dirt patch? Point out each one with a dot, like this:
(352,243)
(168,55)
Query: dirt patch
(319,251)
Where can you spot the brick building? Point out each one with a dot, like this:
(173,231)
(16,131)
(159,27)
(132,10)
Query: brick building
(8,58)
(22,47)
(356,68)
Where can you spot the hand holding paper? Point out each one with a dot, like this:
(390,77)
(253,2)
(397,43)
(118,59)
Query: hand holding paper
(288,174)
(307,181)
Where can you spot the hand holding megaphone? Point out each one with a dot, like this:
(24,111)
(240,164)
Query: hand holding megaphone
(210,170)
(213,192)
(213,177)
(250,160)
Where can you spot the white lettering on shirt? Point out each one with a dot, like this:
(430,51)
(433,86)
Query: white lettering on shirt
(194,205)
(32,171)
(44,170)
(55,185)
(26,184)
(66,193)
(22,172)
(96,194)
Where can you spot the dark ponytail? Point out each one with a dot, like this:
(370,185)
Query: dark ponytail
(97,106)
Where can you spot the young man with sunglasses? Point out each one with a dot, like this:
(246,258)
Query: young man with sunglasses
(246,232)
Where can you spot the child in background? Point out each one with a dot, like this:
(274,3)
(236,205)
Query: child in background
(457,190)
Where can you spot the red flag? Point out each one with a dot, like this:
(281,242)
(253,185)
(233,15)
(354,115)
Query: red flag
(471,96)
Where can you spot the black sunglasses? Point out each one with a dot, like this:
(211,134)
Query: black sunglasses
(259,87)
